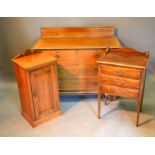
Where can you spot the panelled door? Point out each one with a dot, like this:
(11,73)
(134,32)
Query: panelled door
(43,87)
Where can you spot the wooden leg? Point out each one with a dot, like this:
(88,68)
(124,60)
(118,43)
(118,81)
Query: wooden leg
(141,104)
(105,100)
(99,104)
(138,113)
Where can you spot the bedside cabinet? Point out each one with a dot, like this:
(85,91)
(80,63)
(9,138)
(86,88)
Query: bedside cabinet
(121,72)
(38,87)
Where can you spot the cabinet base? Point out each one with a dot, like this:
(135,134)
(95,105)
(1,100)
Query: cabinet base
(41,121)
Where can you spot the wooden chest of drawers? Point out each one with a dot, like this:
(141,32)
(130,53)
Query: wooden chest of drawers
(121,72)
(77,50)
(38,88)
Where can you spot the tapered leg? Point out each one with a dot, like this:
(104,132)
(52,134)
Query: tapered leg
(99,104)
(141,105)
(138,113)
(105,100)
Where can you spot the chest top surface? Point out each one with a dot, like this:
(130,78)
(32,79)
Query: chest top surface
(32,59)
(126,57)
(77,38)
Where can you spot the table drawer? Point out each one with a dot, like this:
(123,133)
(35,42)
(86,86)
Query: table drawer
(120,71)
(118,91)
(119,81)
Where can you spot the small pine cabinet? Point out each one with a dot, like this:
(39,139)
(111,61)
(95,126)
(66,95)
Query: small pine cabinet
(38,87)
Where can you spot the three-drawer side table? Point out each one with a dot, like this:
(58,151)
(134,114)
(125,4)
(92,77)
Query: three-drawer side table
(121,72)
(38,86)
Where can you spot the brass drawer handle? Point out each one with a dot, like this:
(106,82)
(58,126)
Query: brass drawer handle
(115,90)
(97,56)
(57,56)
(96,69)
(96,83)
(121,72)
(116,81)
(123,90)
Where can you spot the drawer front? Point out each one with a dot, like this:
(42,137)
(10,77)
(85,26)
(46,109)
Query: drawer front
(119,81)
(77,70)
(118,91)
(67,71)
(78,84)
(66,56)
(120,71)
(87,69)
(88,56)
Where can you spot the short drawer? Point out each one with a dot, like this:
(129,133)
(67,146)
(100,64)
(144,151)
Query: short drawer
(118,91)
(120,71)
(119,81)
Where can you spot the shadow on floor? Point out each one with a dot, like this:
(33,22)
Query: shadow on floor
(69,101)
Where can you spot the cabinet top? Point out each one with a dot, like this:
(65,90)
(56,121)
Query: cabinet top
(32,59)
(77,38)
(126,57)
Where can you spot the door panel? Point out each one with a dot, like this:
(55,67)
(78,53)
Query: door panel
(42,91)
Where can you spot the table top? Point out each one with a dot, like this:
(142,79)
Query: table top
(77,43)
(32,59)
(126,57)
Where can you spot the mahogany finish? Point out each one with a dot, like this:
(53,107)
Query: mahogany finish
(38,88)
(122,73)
(77,50)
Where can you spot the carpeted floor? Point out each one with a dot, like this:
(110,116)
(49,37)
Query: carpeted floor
(79,115)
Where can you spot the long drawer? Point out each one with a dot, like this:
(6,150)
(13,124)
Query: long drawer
(119,81)
(78,84)
(120,71)
(118,91)
(81,70)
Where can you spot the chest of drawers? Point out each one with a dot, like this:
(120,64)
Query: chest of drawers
(121,72)
(77,49)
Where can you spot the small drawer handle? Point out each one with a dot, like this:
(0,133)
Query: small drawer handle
(115,90)
(123,91)
(119,72)
(57,56)
(96,69)
(97,56)
(96,83)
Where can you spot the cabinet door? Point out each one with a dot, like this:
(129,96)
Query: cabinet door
(44,91)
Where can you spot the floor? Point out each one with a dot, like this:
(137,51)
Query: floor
(79,115)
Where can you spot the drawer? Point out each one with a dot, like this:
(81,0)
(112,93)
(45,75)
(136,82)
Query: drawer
(119,81)
(66,56)
(67,70)
(118,91)
(78,84)
(120,71)
(87,69)
(88,56)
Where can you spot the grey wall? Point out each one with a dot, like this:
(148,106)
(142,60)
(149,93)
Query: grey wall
(18,34)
